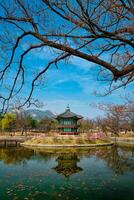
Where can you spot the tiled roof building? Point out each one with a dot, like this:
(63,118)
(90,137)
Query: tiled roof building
(68,122)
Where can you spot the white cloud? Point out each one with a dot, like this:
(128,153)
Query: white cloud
(50,53)
(81,63)
(45,52)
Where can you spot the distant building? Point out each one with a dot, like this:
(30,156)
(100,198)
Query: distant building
(68,122)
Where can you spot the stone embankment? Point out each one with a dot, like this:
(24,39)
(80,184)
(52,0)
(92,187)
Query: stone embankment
(120,141)
(12,141)
(67,145)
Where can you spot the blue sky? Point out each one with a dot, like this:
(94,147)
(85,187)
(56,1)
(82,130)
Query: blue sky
(73,83)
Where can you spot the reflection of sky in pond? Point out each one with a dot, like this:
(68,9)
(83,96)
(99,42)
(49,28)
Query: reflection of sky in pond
(106,174)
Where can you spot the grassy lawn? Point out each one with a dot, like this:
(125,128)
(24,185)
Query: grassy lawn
(64,140)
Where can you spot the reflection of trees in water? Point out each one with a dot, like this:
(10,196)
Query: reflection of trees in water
(67,164)
(44,156)
(15,155)
(118,159)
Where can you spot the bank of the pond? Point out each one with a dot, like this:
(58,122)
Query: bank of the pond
(75,145)
(12,141)
(123,141)
(65,142)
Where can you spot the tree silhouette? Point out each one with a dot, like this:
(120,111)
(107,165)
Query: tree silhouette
(99,31)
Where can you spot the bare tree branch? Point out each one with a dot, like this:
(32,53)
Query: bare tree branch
(100,32)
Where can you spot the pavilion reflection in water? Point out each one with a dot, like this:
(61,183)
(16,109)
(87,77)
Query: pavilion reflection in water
(67,164)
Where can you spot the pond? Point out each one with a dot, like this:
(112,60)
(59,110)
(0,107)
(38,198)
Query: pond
(67,174)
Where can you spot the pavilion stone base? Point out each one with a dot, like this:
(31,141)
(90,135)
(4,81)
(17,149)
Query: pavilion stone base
(69,133)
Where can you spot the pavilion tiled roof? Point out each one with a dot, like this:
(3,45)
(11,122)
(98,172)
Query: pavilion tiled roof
(69,114)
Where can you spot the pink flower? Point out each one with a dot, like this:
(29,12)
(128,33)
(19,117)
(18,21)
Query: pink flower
(95,136)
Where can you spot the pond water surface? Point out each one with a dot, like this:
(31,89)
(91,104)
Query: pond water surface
(67,174)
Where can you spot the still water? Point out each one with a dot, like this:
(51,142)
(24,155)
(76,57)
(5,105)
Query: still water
(67,174)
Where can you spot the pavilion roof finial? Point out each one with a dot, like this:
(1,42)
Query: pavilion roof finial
(68,107)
